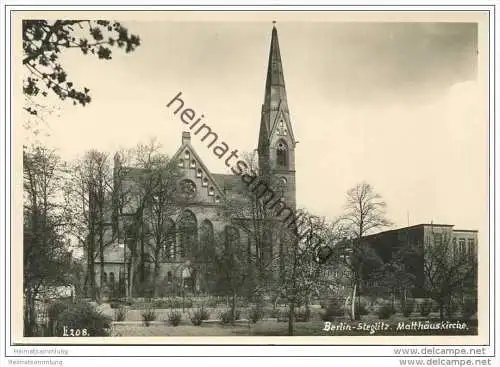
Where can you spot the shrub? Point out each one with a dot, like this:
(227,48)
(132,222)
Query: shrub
(55,309)
(120,313)
(275,313)
(407,307)
(426,307)
(198,316)
(333,309)
(148,315)
(385,311)
(213,302)
(469,308)
(283,315)
(174,318)
(226,317)
(83,316)
(255,314)
(361,308)
(451,309)
(53,312)
(303,315)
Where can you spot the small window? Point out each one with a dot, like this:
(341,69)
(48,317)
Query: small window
(461,245)
(111,277)
(217,199)
(193,164)
(205,182)
(181,163)
(104,277)
(438,239)
(199,173)
(211,191)
(470,245)
(187,155)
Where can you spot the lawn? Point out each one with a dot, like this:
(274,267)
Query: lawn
(274,328)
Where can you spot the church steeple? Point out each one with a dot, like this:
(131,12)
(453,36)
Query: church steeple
(276,141)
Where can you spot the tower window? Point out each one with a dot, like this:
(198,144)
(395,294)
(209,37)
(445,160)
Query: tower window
(282,154)
(181,163)
(199,173)
(211,191)
(204,183)
(193,164)
(187,155)
(281,128)
(217,199)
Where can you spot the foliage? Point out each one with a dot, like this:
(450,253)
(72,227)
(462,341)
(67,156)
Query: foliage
(255,314)
(303,314)
(120,313)
(148,315)
(55,309)
(174,318)
(446,270)
(81,316)
(407,307)
(226,316)
(334,309)
(361,308)
(469,308)
(43,43)
(199,315)
(47,260)
(385,311)
(451,308)
(426,307)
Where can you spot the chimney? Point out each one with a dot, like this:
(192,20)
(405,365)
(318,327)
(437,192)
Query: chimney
(186,137)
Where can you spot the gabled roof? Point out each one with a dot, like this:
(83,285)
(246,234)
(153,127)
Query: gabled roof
(187,145)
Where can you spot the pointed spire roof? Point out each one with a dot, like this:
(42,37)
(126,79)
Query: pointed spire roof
(275,102)
(275,93)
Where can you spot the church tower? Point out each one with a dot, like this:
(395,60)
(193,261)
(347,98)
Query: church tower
(276,140)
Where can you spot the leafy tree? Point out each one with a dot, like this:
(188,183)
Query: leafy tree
(43,43)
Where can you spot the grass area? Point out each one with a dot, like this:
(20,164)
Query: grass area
(273,328)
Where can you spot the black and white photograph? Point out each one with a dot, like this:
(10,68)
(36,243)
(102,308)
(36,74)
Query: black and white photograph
(322,177)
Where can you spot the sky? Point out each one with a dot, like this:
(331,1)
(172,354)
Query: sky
(397,105)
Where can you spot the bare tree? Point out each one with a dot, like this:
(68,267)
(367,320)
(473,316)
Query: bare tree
(46,254)
(89,194)
(446,269)
(364,213)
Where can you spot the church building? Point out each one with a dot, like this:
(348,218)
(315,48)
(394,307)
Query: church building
(200,218)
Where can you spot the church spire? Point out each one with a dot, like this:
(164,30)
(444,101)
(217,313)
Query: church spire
(275,92)
(275,102)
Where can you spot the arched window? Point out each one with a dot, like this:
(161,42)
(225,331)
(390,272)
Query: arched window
(186,154)
(281,186)
(169,252)
(112,278)
(206,239)
(282,154)
(188,233)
